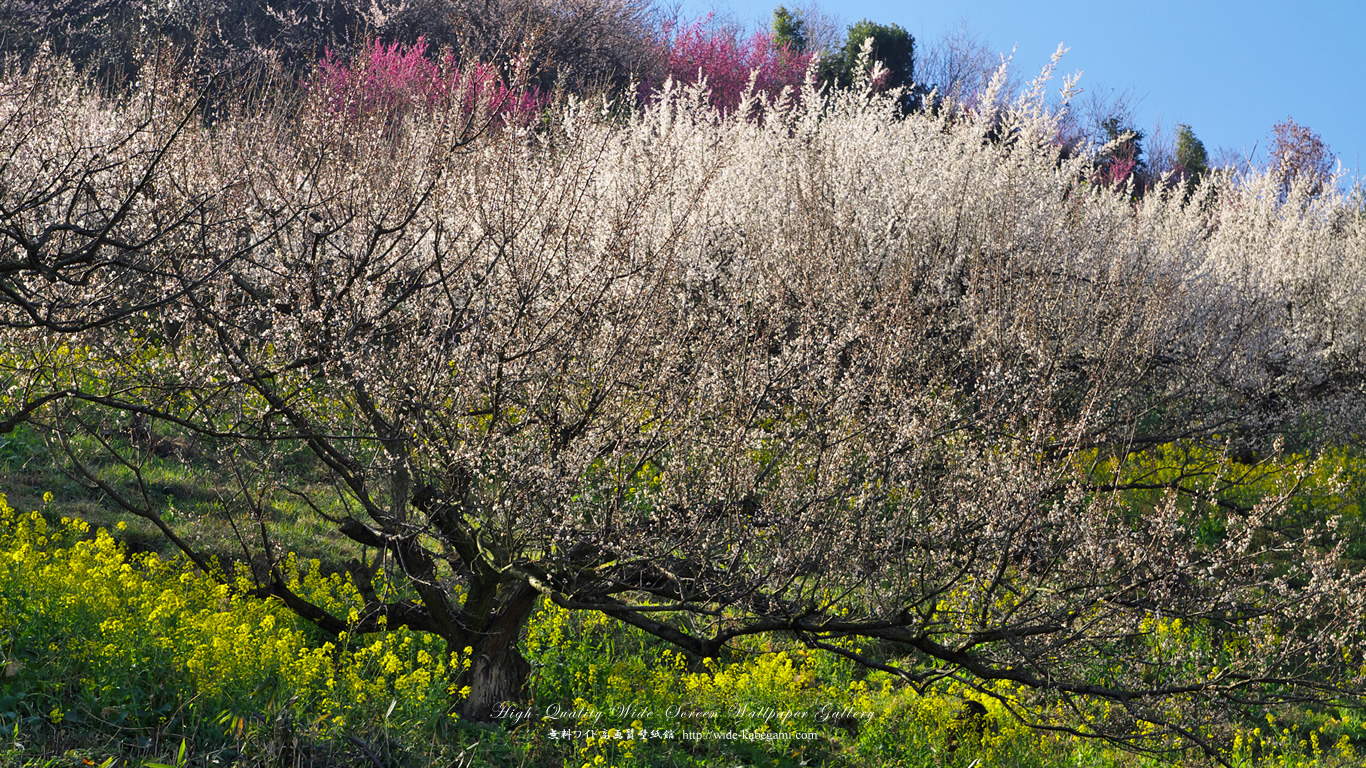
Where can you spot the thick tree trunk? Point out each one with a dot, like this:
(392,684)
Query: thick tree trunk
(498,672)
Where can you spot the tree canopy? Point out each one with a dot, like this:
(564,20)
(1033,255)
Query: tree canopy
(838,373)
(888,45)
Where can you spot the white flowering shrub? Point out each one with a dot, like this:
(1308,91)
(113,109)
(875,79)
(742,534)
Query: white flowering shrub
(815,368)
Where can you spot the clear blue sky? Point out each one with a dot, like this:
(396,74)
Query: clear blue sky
(1230,70)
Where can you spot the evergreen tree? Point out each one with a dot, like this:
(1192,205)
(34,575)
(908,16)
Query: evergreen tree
(1191,158)
(789,29)
(892,46)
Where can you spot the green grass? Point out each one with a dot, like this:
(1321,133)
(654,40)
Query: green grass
(194,498)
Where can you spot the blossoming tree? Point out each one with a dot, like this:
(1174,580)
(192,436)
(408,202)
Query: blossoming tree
(836,373)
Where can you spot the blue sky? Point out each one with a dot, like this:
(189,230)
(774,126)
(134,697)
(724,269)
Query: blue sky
(1230,70)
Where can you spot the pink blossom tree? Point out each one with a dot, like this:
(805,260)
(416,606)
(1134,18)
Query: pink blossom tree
(705,51)
(394,78)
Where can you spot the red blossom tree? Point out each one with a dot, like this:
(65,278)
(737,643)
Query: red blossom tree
(394,77)
(702,50)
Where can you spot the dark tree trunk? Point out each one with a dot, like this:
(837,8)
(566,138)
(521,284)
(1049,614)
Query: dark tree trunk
(498,672)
